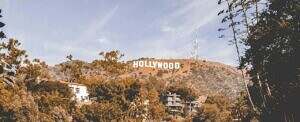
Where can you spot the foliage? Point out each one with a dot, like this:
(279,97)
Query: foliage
(110,62)
(186,93)
(216,108)
(121,99)
(11,53)
(73,69)
(271,37)
(44,101)
(102,111)
(156,109)
(16,104)
(147,105)
(34,71)
(274,59)
(242,109)
(115,94)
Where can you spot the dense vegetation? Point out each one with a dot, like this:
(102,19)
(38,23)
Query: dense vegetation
(270,32)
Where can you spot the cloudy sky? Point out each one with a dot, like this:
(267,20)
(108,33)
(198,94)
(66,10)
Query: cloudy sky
(52,29)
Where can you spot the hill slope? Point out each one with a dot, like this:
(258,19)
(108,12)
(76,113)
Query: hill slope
(205,77)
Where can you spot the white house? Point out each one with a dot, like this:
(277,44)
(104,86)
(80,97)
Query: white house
(80,91)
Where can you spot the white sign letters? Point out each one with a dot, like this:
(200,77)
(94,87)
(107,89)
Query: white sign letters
(156,64)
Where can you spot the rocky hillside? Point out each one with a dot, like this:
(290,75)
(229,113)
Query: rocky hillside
(205,77)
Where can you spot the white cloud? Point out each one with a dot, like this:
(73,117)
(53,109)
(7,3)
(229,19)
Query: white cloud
(189,17)
(165,28)
(182,26)
(188,7)
(103,40)
(92,40)
(96,26)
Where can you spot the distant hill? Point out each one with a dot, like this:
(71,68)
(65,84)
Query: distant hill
(206,77)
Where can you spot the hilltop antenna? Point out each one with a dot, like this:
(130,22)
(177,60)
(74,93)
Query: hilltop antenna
(194,53)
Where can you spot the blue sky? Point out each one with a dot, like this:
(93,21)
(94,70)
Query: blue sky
(51,29)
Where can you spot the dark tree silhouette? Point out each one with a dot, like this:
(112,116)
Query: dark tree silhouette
(70,57)
(2,35)
(272,42)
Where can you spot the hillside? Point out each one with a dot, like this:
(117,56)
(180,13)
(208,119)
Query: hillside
(206,77)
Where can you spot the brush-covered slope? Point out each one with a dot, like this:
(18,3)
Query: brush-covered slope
(205,77)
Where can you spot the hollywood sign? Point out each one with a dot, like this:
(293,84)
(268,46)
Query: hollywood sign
(156,64)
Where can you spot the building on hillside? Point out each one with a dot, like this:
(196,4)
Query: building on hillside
(174,104)
(191,106)
(80,91)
